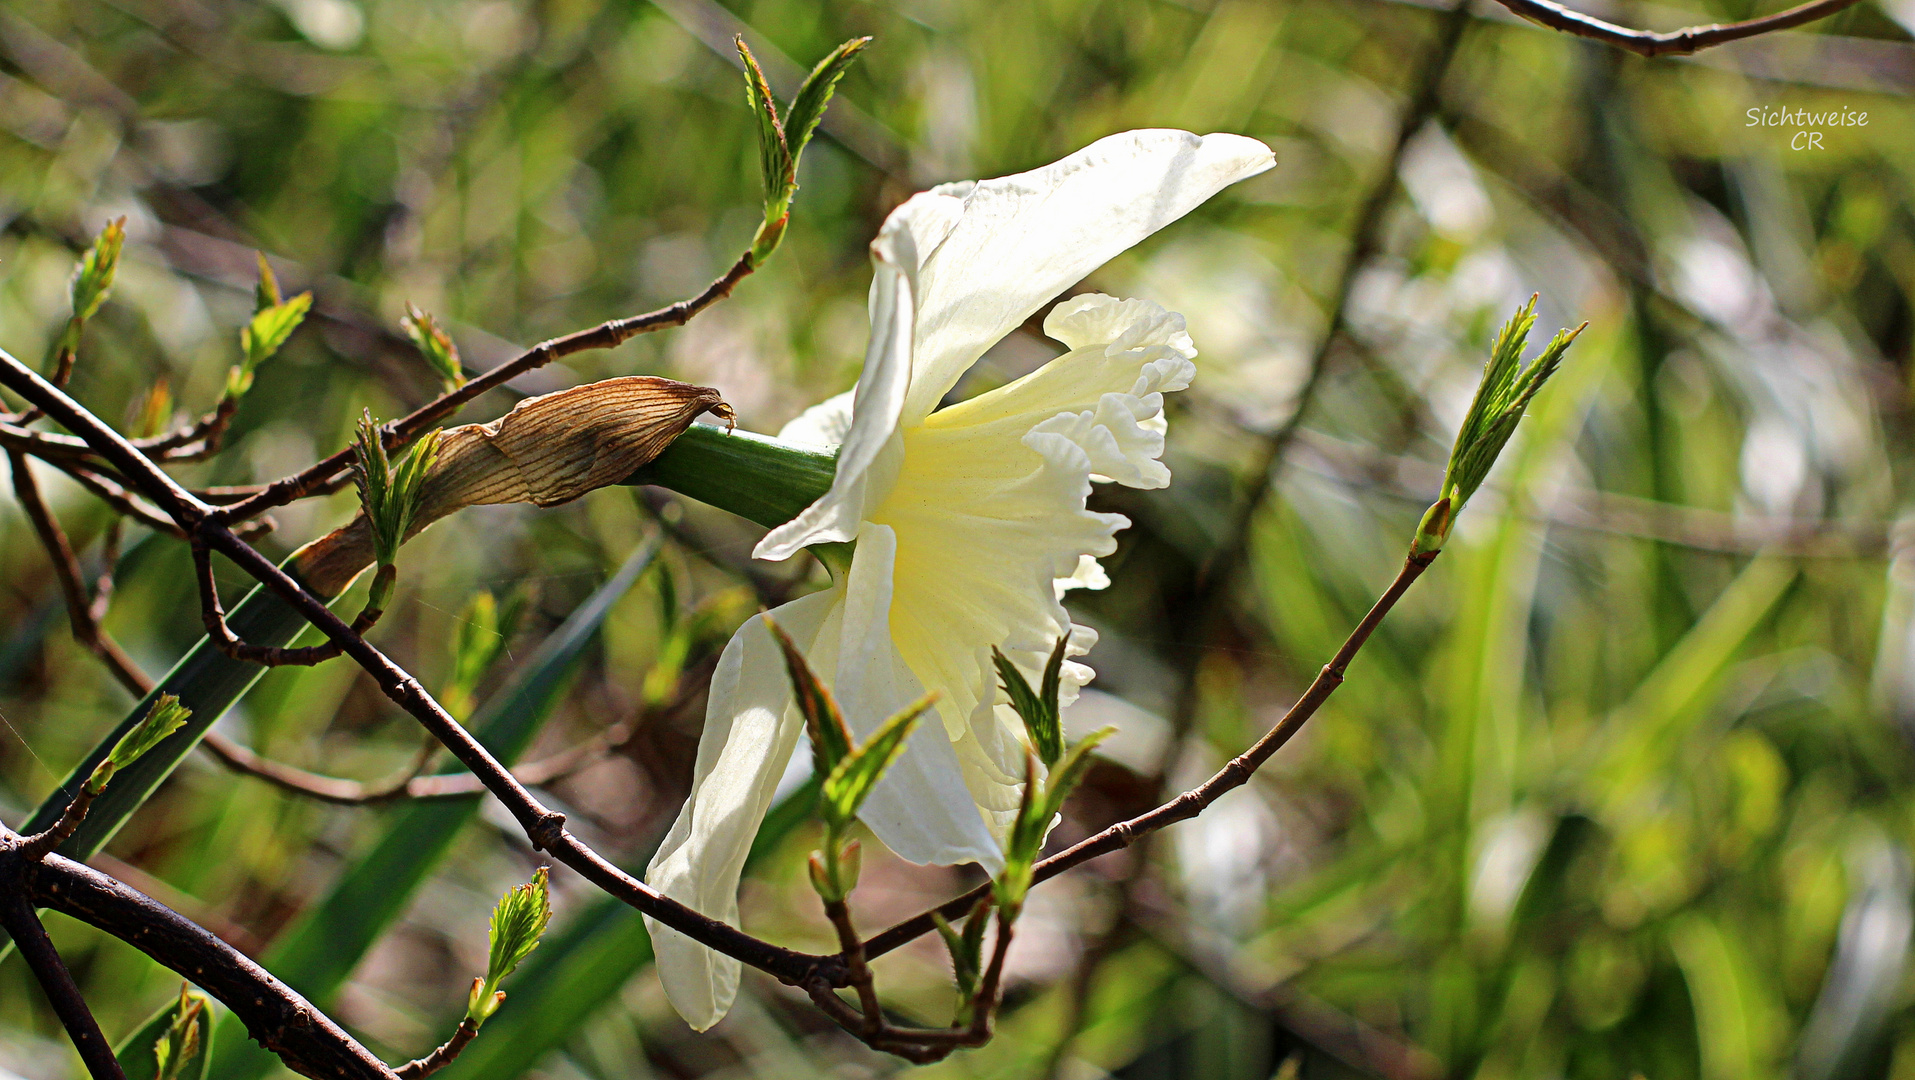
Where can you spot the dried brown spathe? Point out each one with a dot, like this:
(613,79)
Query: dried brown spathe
(548,450)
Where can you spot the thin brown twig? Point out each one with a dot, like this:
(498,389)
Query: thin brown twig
(1689,39)
(82,615)
(41,844)
(115,495)
(544,827)
(416,784)
(1205,605)
(1233,775)
(606,335)
(419,1068)
(213,617)
(920,1046)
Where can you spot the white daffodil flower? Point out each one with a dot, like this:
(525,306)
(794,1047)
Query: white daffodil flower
(970,521)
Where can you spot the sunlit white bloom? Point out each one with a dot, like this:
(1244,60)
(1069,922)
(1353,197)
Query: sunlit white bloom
(969,521)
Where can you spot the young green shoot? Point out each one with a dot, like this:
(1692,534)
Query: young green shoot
(180,1044)
(165,717)
(435,345)
(1038,708)
(92,280)
(781,141)
(389,495)
(1044,791)
(1505,391)
(517,925)
(274,320)
(966,947)
(849,770)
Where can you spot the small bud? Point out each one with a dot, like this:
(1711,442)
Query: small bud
(850,865)
(770,234)
(266,292)
(179,1044)
(93,278)
(389,495)
(821,882)
(476,642)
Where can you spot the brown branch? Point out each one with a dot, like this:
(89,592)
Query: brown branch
(41,844)
(920,1046)
(213,617)
(278,1018)
(81,611)
(16,914)
(542,825)
(1681,42)
(606,335)
(1233,775)
(418,1068)
(196,441)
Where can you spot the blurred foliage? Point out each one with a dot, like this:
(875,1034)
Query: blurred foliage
(1622,789)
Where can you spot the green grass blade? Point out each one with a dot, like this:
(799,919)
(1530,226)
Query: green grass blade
(319,951)
(582,968)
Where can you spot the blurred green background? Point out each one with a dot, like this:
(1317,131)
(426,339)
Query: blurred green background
(1623,789)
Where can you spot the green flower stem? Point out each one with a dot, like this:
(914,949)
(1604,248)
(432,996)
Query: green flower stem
(754,476)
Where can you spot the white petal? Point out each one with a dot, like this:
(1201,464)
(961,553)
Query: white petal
(1021,240)
(824,425)
(1088,575)
(750,730)
(1106,395)
(865,467)
(921,808)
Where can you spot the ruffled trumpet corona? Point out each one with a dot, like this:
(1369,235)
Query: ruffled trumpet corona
(969,522)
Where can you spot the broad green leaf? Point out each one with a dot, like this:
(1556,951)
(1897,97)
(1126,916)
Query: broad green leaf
(319,951)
